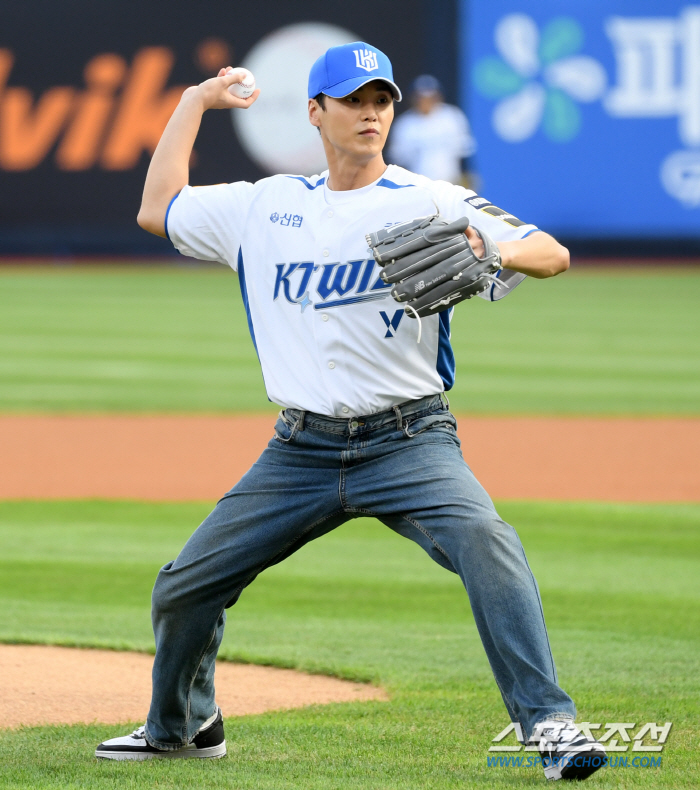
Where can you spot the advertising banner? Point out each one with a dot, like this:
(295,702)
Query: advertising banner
(587,115)
(86,89)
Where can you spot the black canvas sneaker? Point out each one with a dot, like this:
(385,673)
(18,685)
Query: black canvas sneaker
(208,742)
(566,752)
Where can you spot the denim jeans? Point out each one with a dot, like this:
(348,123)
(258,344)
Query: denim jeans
(402,466)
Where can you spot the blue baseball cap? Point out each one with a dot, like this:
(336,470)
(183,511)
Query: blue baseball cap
(342,70)
(426,83)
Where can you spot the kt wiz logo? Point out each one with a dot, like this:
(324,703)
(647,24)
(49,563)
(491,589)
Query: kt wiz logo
(333,284)
(366,59)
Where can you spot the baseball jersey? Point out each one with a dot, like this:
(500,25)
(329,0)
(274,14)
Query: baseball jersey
(329,336)
(432,144)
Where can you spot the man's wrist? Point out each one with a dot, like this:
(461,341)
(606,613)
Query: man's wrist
(506,250)
(192,97)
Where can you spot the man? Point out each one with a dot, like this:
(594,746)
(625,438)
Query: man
(433,138)
(363,429)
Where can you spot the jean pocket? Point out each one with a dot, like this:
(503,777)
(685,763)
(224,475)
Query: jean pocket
(285,428)
(442,421)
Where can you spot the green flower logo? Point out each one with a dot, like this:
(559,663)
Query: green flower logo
(539,78)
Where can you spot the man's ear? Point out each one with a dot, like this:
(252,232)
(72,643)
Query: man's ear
(314,113)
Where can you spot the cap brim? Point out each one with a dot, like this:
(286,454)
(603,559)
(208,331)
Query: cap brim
(347,87)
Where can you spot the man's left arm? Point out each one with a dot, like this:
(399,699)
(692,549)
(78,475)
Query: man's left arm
(538,255)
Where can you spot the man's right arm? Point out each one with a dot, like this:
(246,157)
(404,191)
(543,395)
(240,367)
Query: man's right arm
(169,170)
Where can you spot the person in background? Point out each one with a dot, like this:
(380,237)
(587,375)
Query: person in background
(433,138)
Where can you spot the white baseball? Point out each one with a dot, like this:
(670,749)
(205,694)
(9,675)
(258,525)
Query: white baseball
(245,87)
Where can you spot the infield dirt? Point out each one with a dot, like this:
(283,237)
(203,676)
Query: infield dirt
(172,458)
(43,684)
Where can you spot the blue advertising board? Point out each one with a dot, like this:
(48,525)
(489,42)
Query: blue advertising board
(587,114)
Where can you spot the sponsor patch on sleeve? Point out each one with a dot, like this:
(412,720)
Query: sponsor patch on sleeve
(482,204)
(477,201)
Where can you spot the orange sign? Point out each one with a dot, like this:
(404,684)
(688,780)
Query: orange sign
(120,114)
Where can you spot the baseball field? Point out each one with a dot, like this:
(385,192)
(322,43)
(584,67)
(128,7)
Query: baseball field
(594,373)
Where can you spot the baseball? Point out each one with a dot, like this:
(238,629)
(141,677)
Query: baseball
(245,87)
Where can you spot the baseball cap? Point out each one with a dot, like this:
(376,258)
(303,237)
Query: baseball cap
(426,83)
(342,70)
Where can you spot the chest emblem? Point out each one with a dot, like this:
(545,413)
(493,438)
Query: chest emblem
(332,284)
(287,220)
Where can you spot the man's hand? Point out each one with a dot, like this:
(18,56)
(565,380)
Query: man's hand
(169,169)
(477,243)
(215,95)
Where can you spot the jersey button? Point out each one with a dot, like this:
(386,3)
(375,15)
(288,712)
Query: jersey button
(331,365)
(345,410)
(330,213)
(324,317)
(326,253)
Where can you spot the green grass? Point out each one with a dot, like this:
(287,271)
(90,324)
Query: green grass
(621,592)
(175,339)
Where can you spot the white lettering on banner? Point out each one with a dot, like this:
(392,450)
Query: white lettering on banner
(658,69)
(690,119)
(645,51)
(680,177)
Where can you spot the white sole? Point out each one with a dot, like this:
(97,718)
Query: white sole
(178,754)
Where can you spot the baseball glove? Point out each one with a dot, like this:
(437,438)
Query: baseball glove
(432,264)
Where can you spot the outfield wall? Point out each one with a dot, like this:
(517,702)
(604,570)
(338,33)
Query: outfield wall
(587,116)
(86,89)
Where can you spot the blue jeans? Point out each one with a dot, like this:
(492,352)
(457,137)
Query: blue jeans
(405,468)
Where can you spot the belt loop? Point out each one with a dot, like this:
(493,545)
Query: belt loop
(447,400)
(300,423)
(399,418)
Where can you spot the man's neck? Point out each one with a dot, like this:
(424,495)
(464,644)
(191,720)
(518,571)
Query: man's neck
(345,173)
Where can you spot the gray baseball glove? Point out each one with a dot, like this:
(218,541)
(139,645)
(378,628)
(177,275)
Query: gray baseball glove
(432,264)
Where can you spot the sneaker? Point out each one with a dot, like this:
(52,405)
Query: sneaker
(208,742)
(566,752)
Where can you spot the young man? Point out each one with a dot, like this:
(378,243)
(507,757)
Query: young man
(363,429)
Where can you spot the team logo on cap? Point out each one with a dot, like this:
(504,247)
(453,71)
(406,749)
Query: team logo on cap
(366,59)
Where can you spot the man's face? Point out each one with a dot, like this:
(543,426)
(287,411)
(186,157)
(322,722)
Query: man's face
(425,103)
(357,124)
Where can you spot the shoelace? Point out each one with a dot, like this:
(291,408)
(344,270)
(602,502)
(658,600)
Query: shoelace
(140,732)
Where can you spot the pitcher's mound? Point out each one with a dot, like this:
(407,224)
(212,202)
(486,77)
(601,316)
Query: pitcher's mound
(58,685)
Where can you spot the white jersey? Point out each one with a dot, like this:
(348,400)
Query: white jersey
(329,336)
(433,144)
